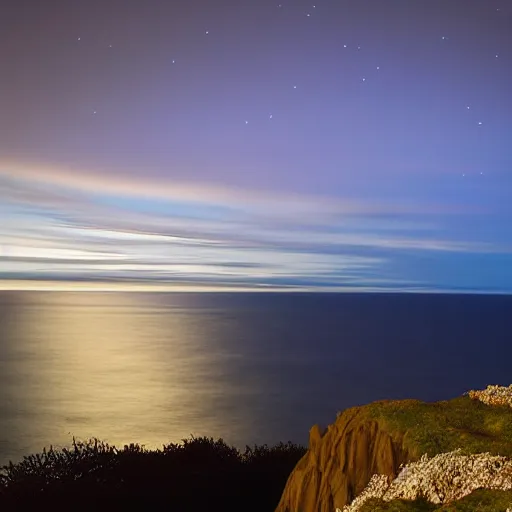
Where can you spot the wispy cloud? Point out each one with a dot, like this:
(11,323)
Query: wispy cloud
(56,226)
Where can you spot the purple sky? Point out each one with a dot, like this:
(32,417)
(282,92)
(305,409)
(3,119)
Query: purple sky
(356,144)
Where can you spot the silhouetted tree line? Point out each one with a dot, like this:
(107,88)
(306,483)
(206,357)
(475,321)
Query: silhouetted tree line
(197,474)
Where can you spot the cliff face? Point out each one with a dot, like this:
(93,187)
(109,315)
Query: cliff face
(340,463)
(378,438)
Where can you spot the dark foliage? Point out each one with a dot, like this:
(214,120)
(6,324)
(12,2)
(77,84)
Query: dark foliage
(197,474)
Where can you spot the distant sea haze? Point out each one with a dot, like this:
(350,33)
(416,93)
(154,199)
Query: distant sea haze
(247,367)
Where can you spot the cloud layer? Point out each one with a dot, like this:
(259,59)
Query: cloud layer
(57,226)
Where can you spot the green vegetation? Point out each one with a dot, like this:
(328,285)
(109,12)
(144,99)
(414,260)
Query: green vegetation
(440,427)
(482,500)
(197,474)
(374,505)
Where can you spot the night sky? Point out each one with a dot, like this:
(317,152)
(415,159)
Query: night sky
(346,144)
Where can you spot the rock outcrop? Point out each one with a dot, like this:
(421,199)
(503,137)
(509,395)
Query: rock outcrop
(377,439)
(340,463)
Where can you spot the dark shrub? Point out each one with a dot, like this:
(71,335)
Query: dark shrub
(197,473)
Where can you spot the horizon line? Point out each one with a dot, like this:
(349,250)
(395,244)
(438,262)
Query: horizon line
(98,286)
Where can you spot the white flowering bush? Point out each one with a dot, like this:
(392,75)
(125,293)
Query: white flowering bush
(493,395)
(441,479)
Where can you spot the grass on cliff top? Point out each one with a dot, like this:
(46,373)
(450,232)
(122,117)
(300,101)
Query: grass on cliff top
(483,500)
(440,427)
(197,474)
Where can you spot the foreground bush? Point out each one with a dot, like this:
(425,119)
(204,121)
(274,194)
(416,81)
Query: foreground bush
(198,473)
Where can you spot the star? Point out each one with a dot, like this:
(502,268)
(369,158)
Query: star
(206,32)
(468,107)
(358,47)
(496,55)
(79,38)
(173,61)
(308,15)
(344,46)
(364,79)
(295,87)
(94,112)
(378,67)
(110,46)
(246,122)
(479,123)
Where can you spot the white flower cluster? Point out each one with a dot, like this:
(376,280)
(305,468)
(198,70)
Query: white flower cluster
(494,395)
(376,488)
(441,479)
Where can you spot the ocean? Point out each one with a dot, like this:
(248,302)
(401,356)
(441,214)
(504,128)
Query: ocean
(247,367)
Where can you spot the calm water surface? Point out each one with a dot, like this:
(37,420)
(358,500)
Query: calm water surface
(251,368)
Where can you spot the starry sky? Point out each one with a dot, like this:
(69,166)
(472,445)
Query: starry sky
(336,145)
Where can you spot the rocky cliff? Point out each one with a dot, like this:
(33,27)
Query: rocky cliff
(380,437)
(340,463)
